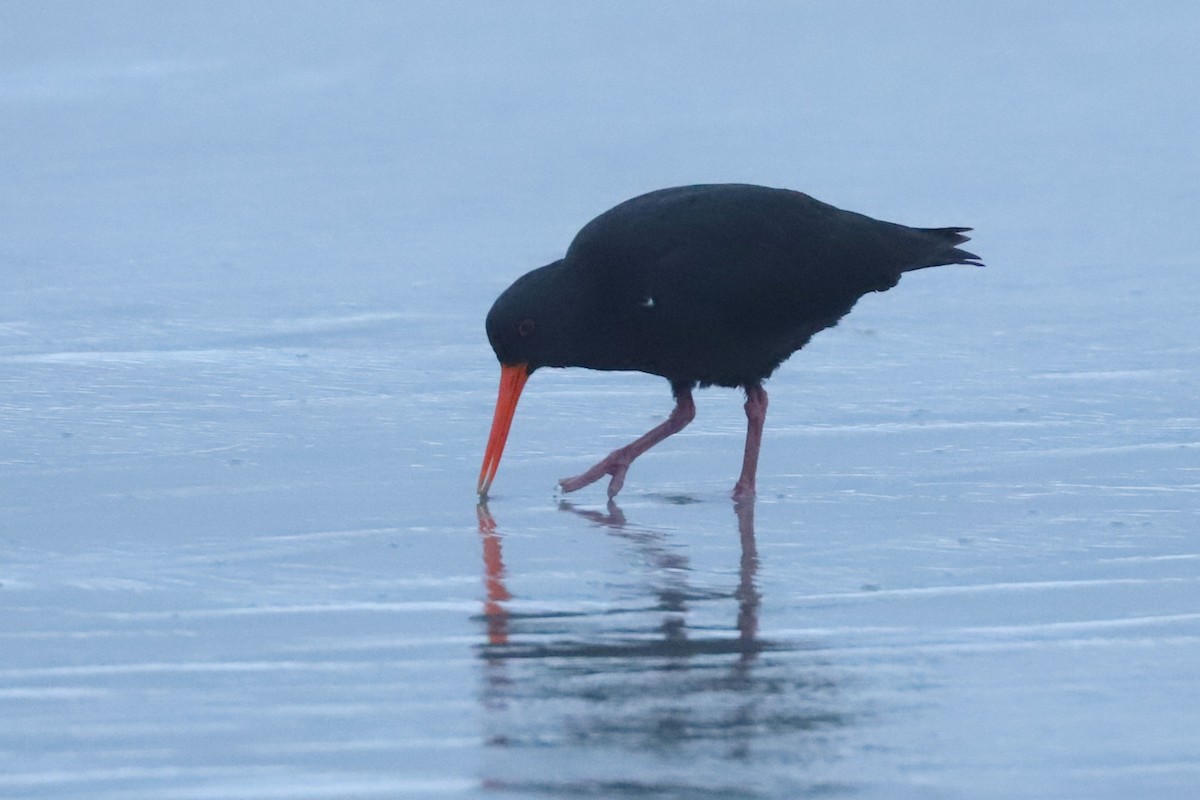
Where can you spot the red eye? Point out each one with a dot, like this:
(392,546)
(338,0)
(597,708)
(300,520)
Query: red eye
(526,327)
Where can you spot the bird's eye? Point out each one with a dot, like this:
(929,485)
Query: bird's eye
(526,327)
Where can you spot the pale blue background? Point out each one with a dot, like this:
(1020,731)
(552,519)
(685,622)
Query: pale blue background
(245,255)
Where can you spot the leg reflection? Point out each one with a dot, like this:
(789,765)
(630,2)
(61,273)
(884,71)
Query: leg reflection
(747,593)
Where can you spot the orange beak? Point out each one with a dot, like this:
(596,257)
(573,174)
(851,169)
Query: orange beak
(512,381)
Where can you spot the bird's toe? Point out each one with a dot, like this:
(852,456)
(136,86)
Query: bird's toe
(618,480)
(583,479)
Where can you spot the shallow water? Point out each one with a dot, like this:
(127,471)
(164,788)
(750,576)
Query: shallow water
(244,392)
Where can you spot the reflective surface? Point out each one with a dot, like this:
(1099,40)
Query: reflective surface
(245,390)
(662,698)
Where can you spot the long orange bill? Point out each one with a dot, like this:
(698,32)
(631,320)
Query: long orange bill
(512,381)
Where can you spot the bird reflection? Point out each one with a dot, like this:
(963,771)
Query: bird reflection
(659,689)
(674,598)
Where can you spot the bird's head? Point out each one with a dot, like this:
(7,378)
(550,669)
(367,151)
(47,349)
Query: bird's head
(532,321)
(528,327)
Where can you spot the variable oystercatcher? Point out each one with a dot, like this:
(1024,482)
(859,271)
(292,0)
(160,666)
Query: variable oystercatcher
(709,285)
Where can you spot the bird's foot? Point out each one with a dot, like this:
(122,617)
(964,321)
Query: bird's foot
(614,464)
(743,490)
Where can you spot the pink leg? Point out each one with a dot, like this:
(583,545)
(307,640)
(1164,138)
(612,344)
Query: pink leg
(756,414)
(617,462)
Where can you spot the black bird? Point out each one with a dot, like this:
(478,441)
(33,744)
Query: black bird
(709,285)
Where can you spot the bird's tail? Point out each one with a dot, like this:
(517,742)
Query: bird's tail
(945,251)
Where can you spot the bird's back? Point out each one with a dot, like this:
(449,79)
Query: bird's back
(719,283)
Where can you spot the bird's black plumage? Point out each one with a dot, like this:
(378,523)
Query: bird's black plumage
(704,285)
(710,284)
